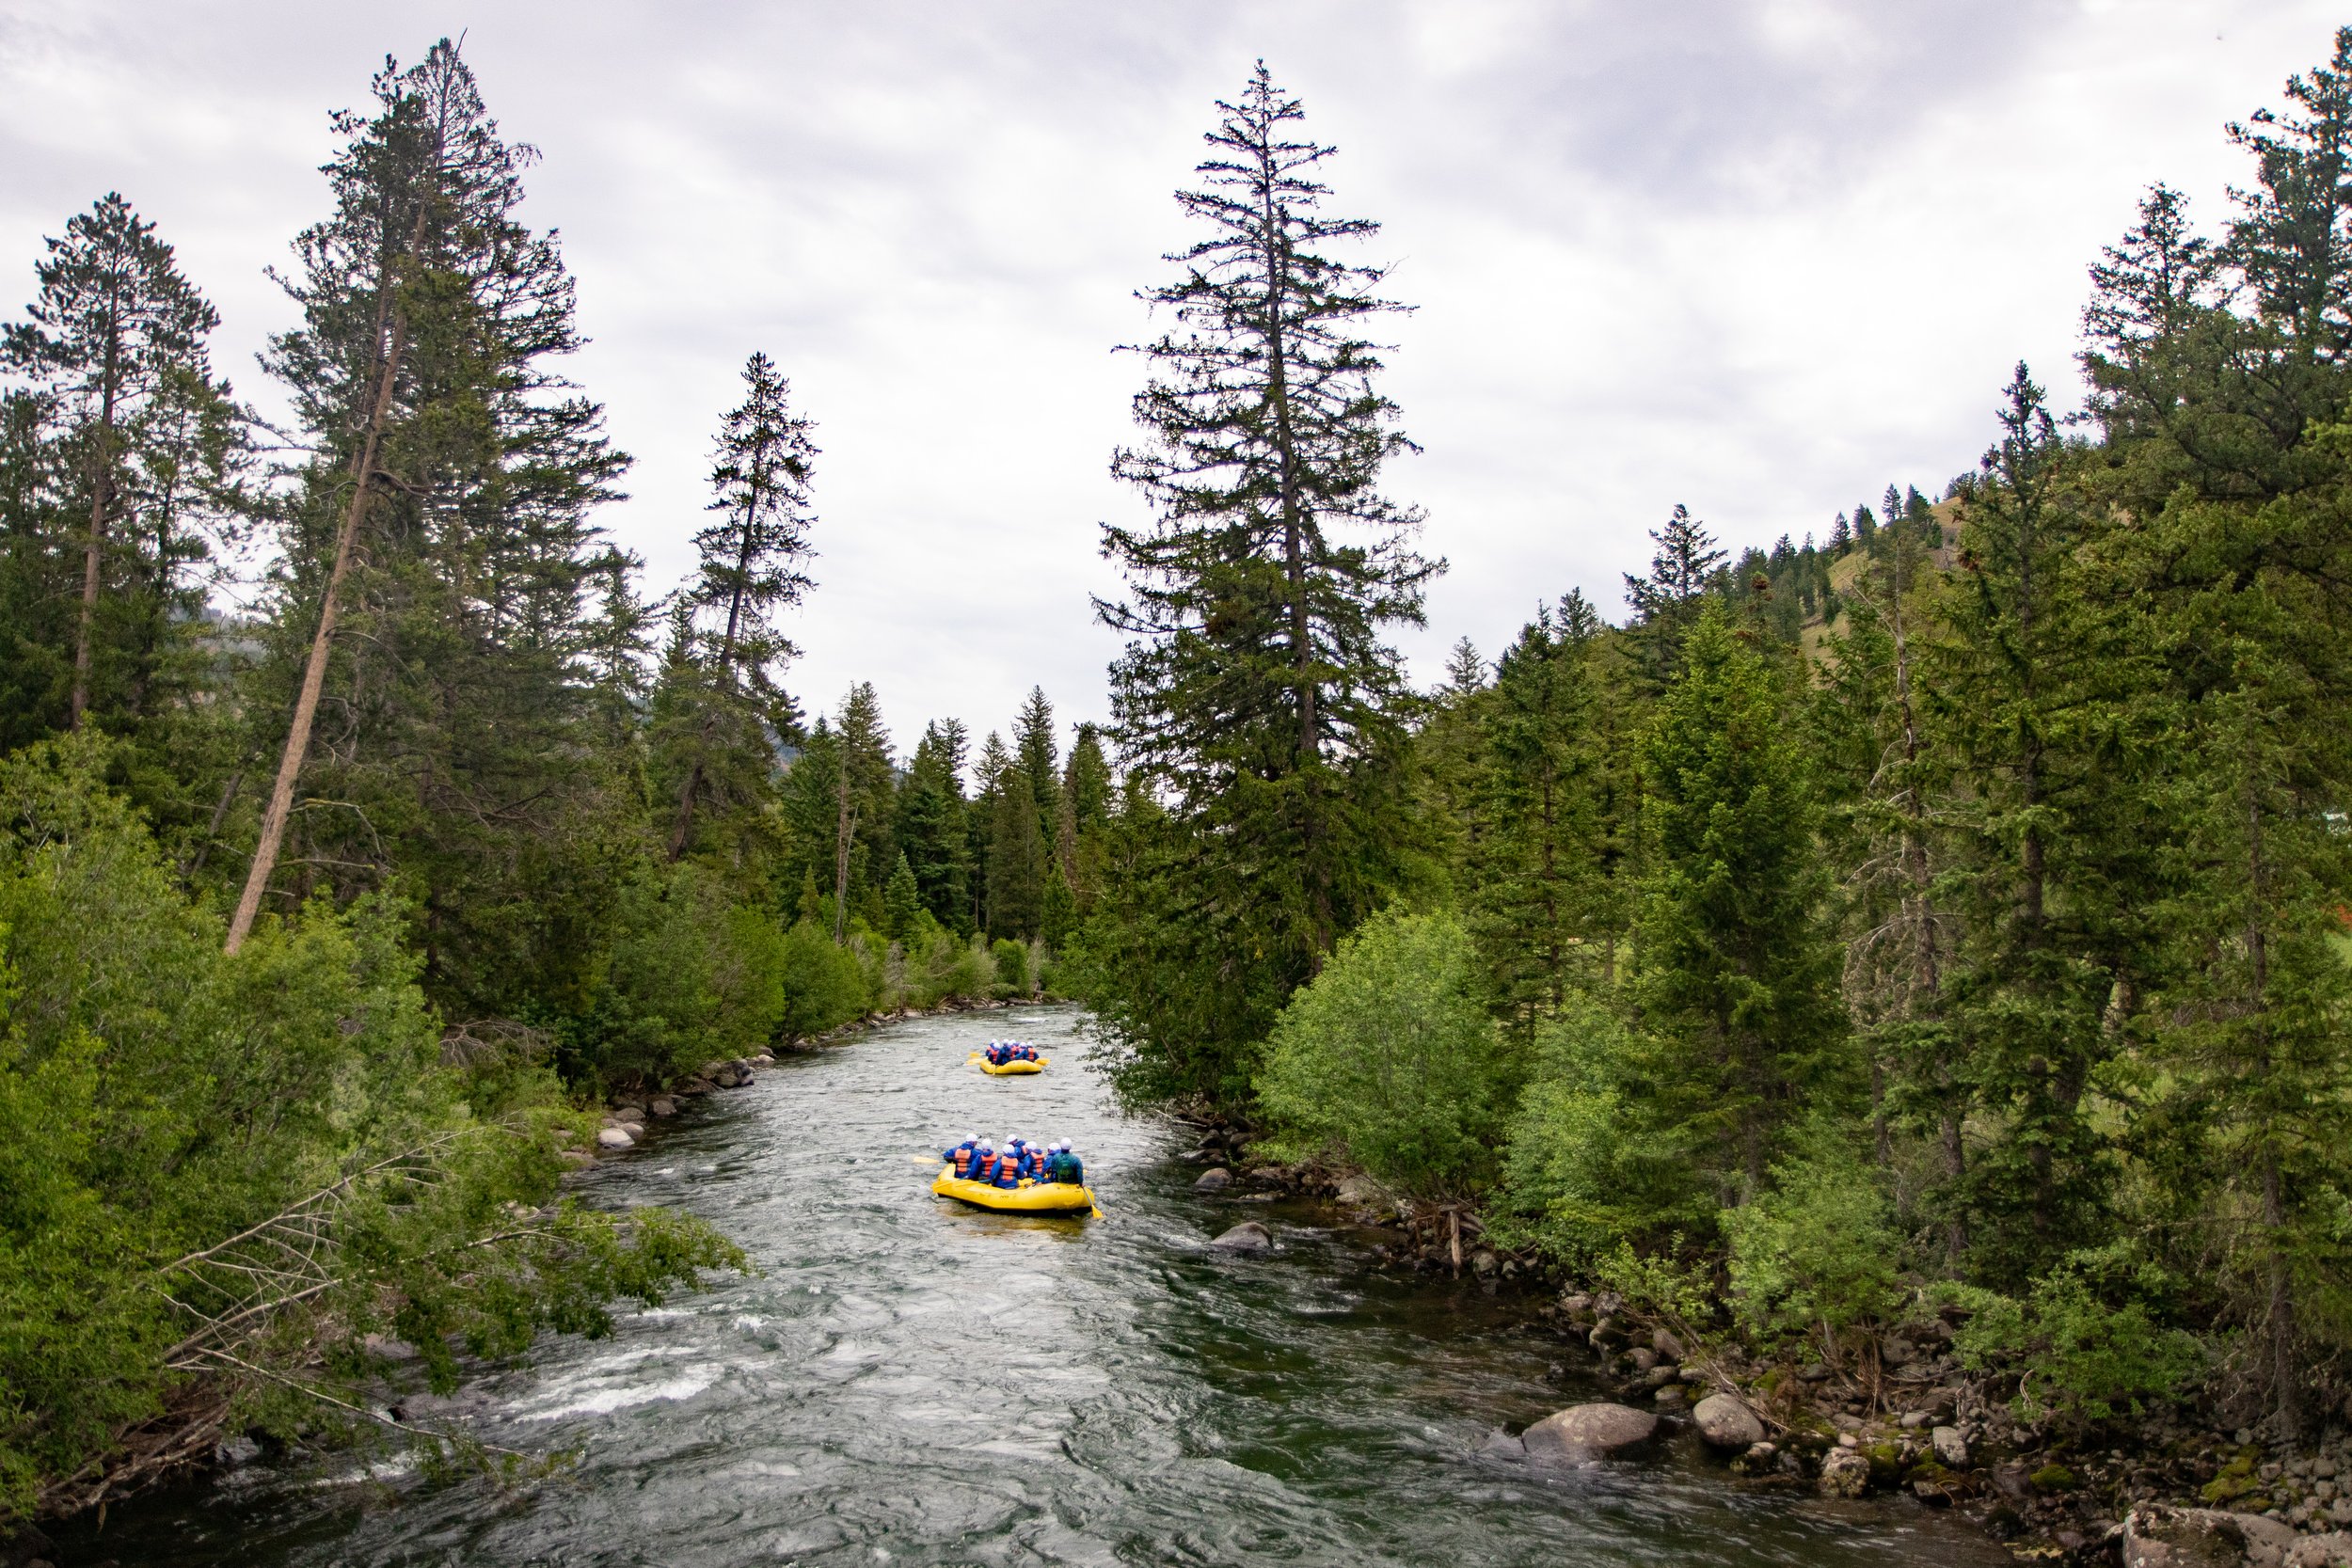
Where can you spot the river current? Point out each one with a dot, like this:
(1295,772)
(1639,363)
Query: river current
(912,1380)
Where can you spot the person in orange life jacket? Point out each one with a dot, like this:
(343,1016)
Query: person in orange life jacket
(1033,1162)
(1008,1170)
(984,1162)
(963,1155)
(1026,1053)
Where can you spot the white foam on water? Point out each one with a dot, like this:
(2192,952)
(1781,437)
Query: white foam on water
(606,1401)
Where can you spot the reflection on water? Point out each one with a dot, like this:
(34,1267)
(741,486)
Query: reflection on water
(915,1381)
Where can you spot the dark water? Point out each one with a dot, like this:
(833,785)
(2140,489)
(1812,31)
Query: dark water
(914,1382)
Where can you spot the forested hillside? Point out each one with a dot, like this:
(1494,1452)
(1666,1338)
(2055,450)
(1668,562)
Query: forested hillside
(1952,911)
(318,919)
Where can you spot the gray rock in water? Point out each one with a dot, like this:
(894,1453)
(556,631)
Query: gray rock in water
(1727,1422)
(1951,1448)
(1214,1180)
(1249,1236)
(1483,1262)
(2158,1536)
(1363,1192)
(663,1107)
(1584,1432)
(1671,1397)
(1844,1474)
(614,1137)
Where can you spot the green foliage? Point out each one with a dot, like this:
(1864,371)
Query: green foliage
(1736,975)
(688,975)
(1816,1250)
(1012,967)
(2088,1342)
(825,985)
(1588,1172)
(1389,1057)
(160,1100)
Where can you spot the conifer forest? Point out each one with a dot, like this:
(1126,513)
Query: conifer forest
(1942,919)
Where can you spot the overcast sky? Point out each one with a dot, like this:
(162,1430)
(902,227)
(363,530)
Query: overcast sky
(1760,258)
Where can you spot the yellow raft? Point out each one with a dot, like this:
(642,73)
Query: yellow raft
(1030,1197)
(995,1071)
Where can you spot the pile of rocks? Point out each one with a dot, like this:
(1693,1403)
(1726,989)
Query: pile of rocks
(625,1122)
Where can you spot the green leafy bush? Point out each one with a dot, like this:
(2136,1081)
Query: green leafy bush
(1817,1249)
(1389,1057)
(688,975)
(2088,1341)
(1012,967)
(1587,1172)
(824,983)
(160,1099)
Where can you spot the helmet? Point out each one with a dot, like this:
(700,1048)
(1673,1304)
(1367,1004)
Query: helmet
(987,1147)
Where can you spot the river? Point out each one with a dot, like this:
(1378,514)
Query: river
(910,1381)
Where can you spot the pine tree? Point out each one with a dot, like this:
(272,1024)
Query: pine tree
(1258,692)
(1683,569)
(930,827)
(1538,889)
(900,900)
(751,562)
(1736,978)
(446,508)
(143,438)
(1040,756)
(862,795)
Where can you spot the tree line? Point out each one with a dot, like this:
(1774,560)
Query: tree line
(320,917)
(1950,915)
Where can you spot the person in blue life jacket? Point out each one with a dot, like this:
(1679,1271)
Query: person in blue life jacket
(962,1154)
(1033,1161)
(988,1054)
(1027,1052)
(984,1164)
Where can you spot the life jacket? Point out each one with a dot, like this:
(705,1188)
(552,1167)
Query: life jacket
(964,1153)
(984,1167)
(1019,1159)
(1007,1174)
(1028,1053)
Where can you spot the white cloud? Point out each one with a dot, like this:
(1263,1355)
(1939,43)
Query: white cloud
(1761,258)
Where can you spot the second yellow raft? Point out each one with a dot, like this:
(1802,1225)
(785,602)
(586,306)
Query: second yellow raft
(1030,1197)
(995,1071)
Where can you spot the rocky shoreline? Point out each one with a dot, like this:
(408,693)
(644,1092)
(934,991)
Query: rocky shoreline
(1898,1416)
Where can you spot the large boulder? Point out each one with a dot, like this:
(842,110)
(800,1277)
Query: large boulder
(1360,1192)
(2331,1551)
(1951,1448)
(1215,1180)
(663,1107)
(2159,1536)
(1727,1422)
(1249,1236)
(1584,1432)
(614,1137)
(1844,1474)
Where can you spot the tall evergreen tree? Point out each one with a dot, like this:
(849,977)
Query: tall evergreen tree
(1258,692)
(1735,977)
(432,320)
(1685,567)
(141,437)
(750,567)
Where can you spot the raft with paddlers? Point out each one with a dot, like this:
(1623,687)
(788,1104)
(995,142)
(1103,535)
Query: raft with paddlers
(1030,1197)
(999,1059)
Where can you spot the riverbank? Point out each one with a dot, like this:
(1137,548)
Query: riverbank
(1896,1413)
